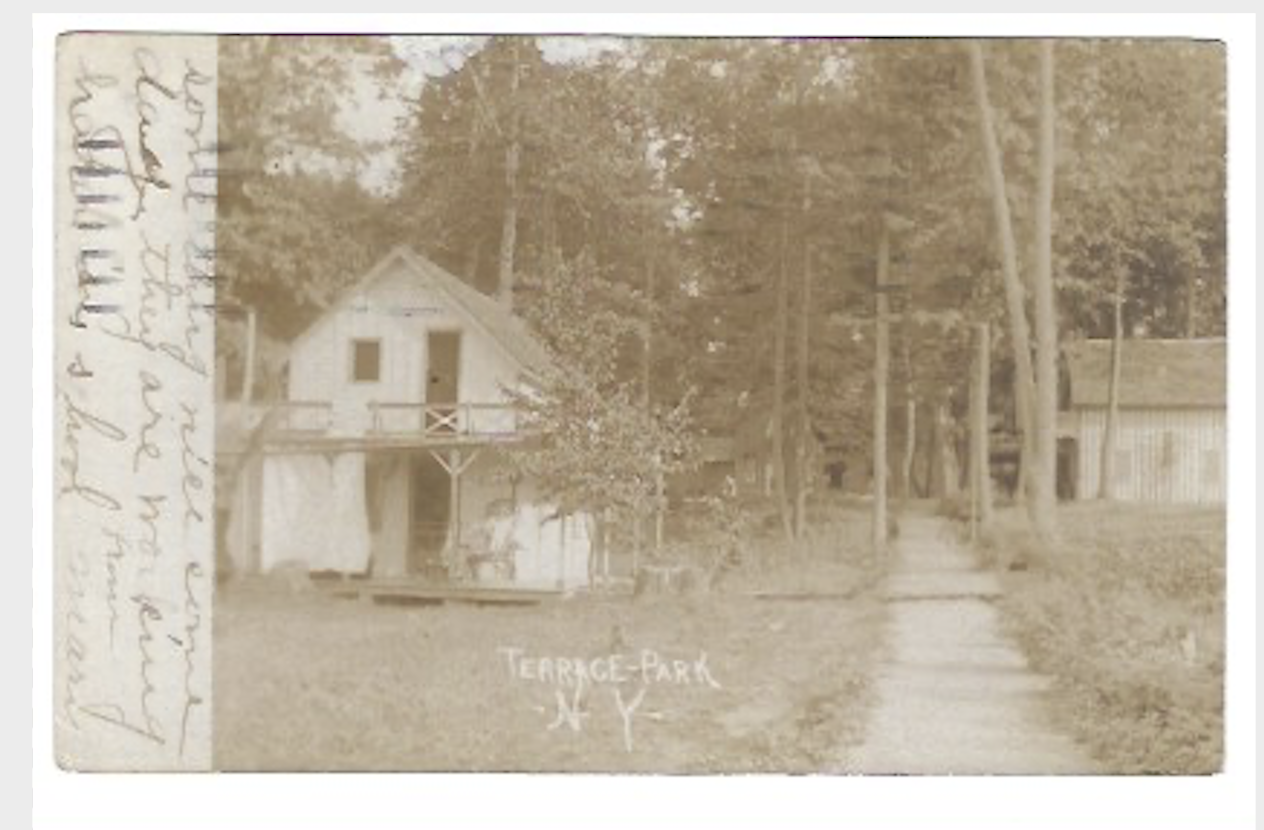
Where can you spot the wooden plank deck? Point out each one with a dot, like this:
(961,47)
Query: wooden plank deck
(420,592)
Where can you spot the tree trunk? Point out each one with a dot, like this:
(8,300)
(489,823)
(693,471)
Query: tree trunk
(473,253)
(980,457)
(660,497)
(802,475)
(647,375)
(910,425)
(945,480)
(924,465)
(1191,305)
(1106,483)
(1020,339)
(509,228)
(779,381)
(882,348)
(1045,492)
(472,256)
(248,370)
(647,334)
(934,454)
(946,454)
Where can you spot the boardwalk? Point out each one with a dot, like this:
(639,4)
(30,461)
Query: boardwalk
(953,694)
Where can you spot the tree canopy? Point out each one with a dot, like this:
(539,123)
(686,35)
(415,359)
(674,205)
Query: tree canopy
(718,200)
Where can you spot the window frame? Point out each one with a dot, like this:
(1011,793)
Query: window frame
(351,356)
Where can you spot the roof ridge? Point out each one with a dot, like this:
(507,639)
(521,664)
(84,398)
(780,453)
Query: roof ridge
(1157,372)
(527,350)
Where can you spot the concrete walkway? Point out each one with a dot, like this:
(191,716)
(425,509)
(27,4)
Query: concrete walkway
(954,694)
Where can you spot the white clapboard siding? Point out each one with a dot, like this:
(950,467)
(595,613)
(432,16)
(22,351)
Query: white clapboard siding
(1174,455)
(398,311)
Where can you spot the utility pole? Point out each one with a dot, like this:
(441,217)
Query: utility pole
(881,369)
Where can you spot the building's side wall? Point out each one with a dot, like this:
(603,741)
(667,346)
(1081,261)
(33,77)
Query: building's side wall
(1162,455)
(398,310)
(546,552)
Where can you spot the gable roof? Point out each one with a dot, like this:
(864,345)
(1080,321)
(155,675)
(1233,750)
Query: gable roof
(506,329)
(1156,374)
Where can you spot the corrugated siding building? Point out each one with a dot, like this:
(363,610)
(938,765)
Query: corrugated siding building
(1170,439)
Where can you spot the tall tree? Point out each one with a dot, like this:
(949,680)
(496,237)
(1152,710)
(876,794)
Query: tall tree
(803,431)
(777,421)
(293,223)
(1106,489)
(513,153)
(1020,339)
(1044,493)
(599,452)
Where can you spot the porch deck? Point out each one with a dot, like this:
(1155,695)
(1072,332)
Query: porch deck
(413,591)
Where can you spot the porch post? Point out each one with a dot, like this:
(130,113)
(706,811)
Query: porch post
(454,515)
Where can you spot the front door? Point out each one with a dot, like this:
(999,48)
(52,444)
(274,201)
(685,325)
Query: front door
(443,370)
(430,505)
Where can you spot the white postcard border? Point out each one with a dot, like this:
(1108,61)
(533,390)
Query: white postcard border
(207,801)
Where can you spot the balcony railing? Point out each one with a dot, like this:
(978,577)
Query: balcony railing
(439,421)
(305,420)
(302,418)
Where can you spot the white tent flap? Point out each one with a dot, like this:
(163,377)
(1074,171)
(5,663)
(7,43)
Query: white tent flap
(314,513)
(349,541)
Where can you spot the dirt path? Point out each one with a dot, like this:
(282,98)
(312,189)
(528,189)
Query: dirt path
(953,694)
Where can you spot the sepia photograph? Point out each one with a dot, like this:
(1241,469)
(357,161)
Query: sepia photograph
(720,405)
(587,403)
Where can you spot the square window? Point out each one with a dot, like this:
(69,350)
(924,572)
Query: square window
(366,361)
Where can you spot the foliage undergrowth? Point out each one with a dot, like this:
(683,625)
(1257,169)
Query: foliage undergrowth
(1126,611)
(742,548)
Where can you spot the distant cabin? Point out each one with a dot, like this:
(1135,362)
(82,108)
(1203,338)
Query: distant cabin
(715,470)
(386,455)
(1170,440)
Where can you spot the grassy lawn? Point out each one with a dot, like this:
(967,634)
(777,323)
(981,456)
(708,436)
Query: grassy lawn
(1127,613)
(306,681)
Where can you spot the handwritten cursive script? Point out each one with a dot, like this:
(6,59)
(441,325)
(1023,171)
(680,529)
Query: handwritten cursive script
(135,441)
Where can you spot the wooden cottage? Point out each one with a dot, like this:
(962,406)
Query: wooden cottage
(716,467)
(1170,440)
(386,455)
